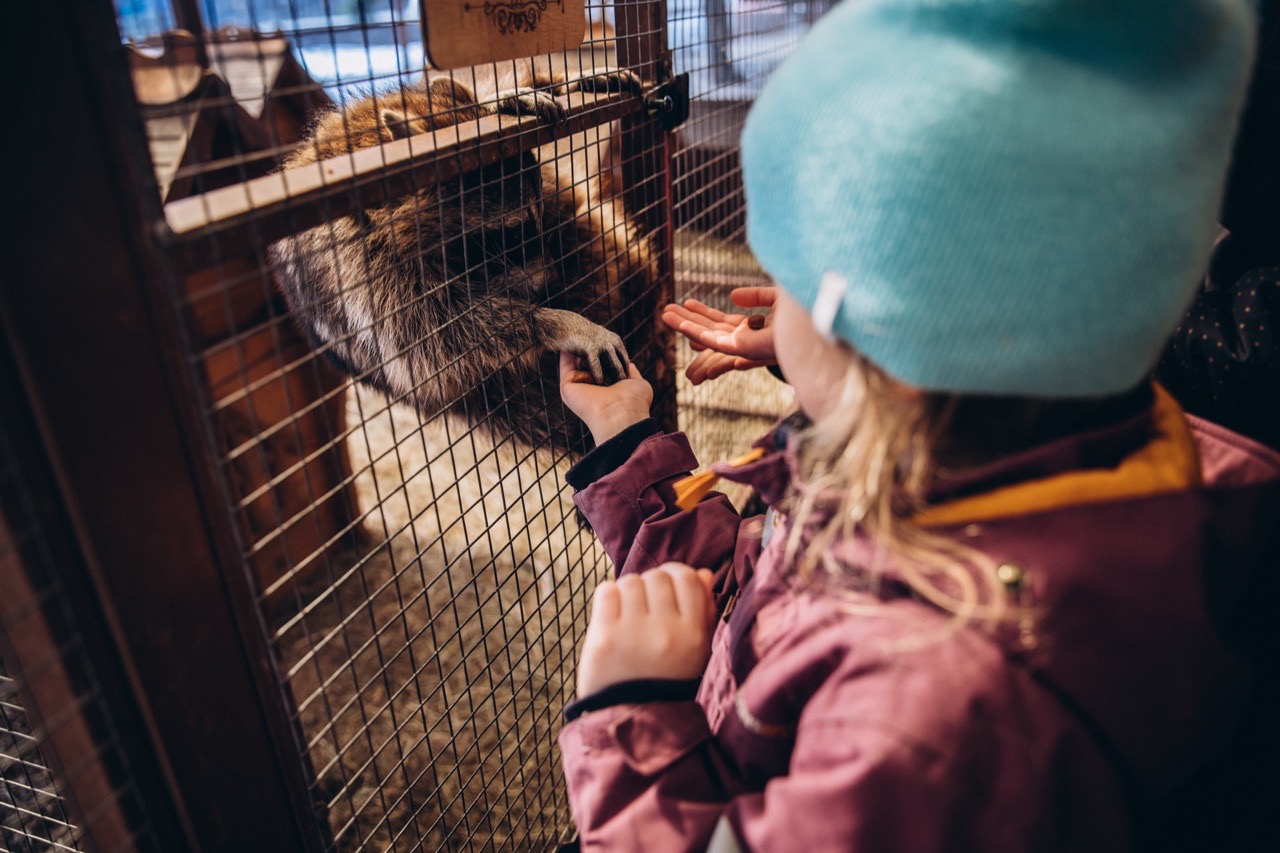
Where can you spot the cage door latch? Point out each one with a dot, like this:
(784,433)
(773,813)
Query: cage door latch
(669,101)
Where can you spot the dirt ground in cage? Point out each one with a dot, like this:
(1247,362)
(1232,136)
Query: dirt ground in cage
(429,669)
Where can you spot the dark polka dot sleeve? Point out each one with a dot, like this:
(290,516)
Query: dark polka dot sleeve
(1223,361)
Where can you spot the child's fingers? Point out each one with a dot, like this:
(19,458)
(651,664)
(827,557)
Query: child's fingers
(686,321)
(713,314)
(690,594)
(709,338)
(679,322)
(633,601)
(708,579)
(660,594)
(720,367)
(754,297)
(709,364)
(569,372)
(606,603)
(696,333)
(703,366)
(740,363)
(701,330)
(683,314)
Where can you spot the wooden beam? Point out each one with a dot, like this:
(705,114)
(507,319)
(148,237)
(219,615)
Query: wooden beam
(266,209)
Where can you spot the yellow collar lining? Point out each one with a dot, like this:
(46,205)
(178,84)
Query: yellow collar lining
(1168,462)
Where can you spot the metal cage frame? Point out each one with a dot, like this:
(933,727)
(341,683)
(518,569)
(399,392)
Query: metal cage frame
(144,665)
(186,676)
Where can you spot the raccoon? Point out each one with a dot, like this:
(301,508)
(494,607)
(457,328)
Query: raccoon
(459,296)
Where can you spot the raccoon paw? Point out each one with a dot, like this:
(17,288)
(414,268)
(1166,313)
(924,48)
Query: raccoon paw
(603,351)
(606,357)
(527,102)
(610,80)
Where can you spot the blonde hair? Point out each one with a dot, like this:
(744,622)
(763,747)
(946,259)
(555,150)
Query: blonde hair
(864,467)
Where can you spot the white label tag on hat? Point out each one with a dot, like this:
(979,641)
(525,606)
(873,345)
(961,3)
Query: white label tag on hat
(827,304)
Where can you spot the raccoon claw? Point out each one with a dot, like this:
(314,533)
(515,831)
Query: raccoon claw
(527,102)
(613,80)
(607,364)
(598,350)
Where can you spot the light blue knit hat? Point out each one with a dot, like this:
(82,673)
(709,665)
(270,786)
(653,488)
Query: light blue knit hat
(1003,197)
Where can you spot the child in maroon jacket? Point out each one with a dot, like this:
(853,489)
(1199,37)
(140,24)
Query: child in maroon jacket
(988,607)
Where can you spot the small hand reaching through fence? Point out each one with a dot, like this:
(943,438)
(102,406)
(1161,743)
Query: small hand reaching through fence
(606,409)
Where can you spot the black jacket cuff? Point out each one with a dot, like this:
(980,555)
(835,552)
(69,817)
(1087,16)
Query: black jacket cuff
(610,455)
(633,692)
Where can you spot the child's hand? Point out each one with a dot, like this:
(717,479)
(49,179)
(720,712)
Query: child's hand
(708,364)
(606,409)
(653,625)
(725,342)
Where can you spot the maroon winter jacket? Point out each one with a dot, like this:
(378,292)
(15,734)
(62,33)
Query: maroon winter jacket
(873,724)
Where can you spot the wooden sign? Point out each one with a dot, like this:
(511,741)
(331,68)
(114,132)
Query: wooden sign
(459,33)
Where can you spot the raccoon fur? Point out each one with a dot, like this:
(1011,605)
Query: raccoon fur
(458,296)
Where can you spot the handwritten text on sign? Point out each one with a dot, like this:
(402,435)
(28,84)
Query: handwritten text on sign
(460,33)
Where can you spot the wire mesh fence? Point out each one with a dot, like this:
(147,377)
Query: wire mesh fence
(65,776)
(371,266)
(35,814)
(422,576)
(729,50)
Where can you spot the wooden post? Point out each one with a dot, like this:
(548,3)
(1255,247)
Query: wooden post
(53,643)
(186,16)
(88,317)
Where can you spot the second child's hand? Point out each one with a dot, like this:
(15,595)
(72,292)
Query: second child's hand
(656,624)
(725,342)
